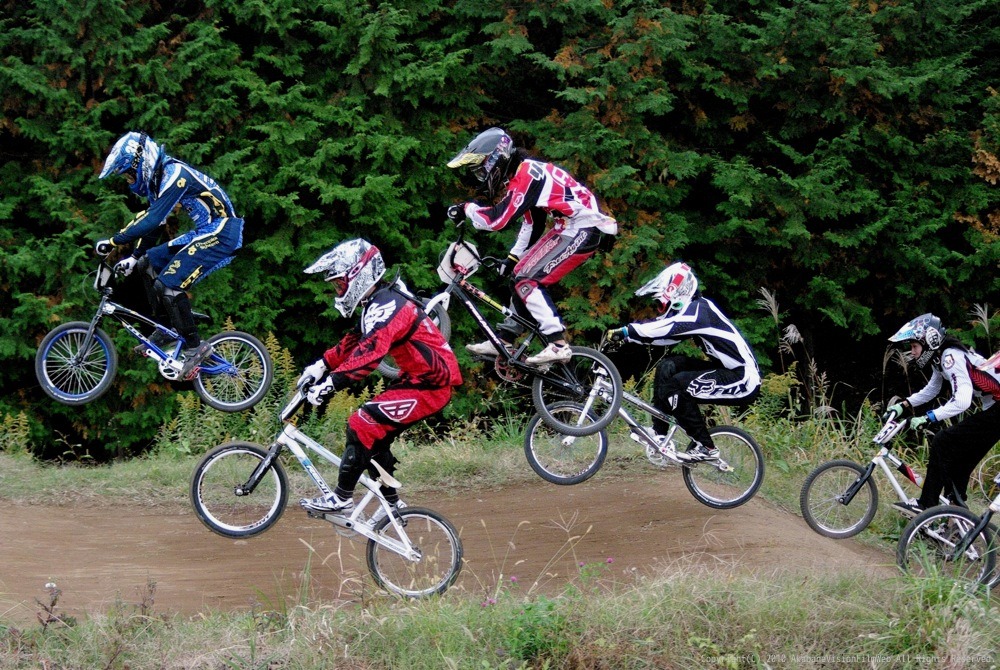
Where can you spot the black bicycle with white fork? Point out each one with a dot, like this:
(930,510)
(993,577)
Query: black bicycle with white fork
(76,362)
(589,378)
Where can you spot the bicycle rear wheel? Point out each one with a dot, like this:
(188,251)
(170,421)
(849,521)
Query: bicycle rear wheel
(927,546)
(589,379)
(238,373)
(564,459)
(220,500)
(821,500)
(731,487)
(436,562)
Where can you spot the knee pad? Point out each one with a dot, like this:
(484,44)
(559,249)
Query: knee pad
(178,308)
(666,369)
(353,463)
(165,292)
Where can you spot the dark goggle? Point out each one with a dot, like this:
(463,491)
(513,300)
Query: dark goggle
(340,284)
(480,172)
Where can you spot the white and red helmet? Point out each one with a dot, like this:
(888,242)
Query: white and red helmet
(354,267)
(675,287)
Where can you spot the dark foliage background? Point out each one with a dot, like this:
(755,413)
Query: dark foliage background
(842,156)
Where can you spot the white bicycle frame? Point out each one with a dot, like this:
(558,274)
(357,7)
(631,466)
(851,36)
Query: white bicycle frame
(890,430)
(299,443)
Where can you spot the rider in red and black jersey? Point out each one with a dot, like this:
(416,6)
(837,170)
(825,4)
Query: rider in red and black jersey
(534,190)
(391,324)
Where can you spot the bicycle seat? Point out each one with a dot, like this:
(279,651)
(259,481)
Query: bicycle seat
(198,316)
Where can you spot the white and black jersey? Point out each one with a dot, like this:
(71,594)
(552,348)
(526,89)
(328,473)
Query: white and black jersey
(715,334)
(960,369)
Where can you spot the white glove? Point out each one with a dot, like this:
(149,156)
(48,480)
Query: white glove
(318,393)
(125,266)
(313,373)
(104,247)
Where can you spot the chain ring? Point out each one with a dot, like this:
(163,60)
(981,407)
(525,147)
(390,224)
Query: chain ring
(508,373)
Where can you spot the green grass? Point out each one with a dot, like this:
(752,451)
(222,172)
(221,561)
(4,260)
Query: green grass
(683,617)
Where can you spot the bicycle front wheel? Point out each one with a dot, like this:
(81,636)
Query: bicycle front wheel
(928,545)
(564,459)
(734,483)
(589,379)
(237,374)
(72,370)
(417,555)
(824,507)
(221,496)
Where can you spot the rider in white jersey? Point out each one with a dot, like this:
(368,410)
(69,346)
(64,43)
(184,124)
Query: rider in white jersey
(955,450)
(728,376)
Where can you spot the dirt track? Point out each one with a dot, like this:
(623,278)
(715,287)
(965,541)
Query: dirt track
(98,555)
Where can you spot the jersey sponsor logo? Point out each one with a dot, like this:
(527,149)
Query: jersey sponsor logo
(192,278)
(376,314)
(948,362)
(397,410)
(566,254)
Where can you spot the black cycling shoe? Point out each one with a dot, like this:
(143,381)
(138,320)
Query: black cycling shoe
(194,357)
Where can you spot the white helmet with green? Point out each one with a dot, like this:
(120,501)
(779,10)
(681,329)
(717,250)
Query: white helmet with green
(927,330)
(675,287)
(354,267)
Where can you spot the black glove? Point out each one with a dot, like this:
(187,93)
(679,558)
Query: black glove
(456,213)
(104,247)
(507,266)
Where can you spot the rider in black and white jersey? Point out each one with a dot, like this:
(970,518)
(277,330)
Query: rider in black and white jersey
(728,376)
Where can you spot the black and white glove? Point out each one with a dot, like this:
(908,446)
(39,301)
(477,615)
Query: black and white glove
(104,247)
(615,334)
(312,373)
(457,213)
(125,266)
(507,265)
(318,393)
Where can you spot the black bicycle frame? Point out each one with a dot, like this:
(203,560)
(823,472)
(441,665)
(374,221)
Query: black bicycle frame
(968,538)
(125,317)
(847,496)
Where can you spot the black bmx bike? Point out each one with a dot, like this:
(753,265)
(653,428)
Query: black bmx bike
(76,362)
(589,378)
